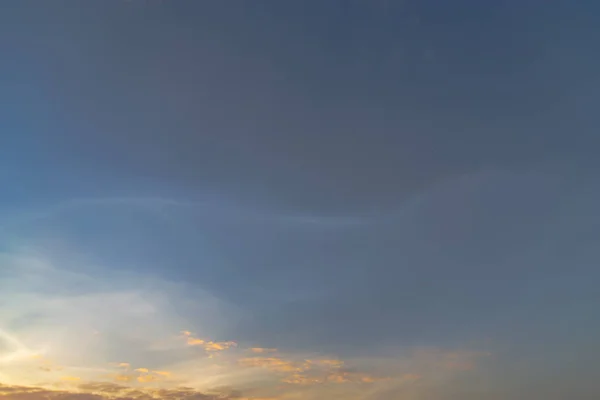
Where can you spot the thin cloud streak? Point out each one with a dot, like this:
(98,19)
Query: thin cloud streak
(160,207)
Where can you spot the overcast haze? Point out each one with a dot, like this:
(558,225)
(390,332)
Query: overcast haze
(276,200)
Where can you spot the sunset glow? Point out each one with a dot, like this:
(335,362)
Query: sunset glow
(299,200)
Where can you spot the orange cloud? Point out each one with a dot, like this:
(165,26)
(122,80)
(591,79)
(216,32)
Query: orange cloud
(195,342)
(330,363)
(272,364)
(147,378)
(123,378)
(70,378)
(261,350)
(299,379)
(315,378)
(108,391)
(259,398)
(207,345)
(218,346)
(309,372)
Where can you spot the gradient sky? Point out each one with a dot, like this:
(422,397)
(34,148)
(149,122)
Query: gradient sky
(298,200)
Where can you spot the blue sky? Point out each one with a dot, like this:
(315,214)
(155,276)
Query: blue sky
(299,200)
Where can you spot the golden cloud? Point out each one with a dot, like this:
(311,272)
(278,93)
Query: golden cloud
(207,345)
(354,377)
(261,350)
(291,370)
(219,346)
(309,372)
(299,379)
(257,398)
(107,391)
(195,342)
(272,364)
(46,364)
(70,378)
(330,363)
(147,378)
(123,378)
(314,377)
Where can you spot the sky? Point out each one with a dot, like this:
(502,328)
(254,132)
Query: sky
(278,200)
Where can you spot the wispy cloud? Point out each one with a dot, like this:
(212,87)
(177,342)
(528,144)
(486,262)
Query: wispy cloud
(55,320)
(208,345)
(274,364)
(260,350)
(142,370)
(310,371)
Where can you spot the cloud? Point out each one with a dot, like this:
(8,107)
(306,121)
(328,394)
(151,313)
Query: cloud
(331,363)
(13,349)
(144,375)
(260,350)
(147,378)
(142,370)
(219,346)
(123,378)
(106,391)
(336,377)
(52,314)
(310,371)
(207,345)
(70,378)
(49,317)
(273,364)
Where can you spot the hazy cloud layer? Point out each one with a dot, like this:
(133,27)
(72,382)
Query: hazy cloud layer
(78,335)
